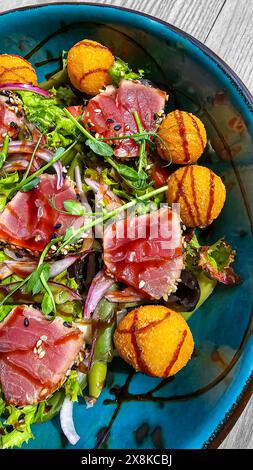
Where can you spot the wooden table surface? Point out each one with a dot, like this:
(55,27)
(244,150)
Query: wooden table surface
(226,27)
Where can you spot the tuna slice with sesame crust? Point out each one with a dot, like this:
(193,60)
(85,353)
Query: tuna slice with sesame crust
(35,355)
(110,113)
(145,252)
(11,117)
(29,221)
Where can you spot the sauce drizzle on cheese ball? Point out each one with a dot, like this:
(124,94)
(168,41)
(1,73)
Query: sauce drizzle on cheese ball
(154,340)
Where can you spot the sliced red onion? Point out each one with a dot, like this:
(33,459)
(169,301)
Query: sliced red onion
(26,266)
(21,297)
(78,180)
(73,295)
(103,191)
(93,184)
(19,146)
(57,267)
(67,423)
(24,87)
(12,255)
(19,163)
(99,286)
(125,296)
(22,268)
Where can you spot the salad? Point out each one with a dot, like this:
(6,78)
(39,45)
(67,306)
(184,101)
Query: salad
(102,203)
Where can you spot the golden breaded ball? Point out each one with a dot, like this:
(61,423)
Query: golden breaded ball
(88,65)
(15,69)
(184,138)
(154,340)
(200,193)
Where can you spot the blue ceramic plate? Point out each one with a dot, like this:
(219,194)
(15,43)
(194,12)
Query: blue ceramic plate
(203,401)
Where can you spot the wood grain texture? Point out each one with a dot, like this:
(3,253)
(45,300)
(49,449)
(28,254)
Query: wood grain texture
(226,27)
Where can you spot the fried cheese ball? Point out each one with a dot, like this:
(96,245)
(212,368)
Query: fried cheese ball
(88,65)
(155,340)
(15,69)
(200,193)
(183,138)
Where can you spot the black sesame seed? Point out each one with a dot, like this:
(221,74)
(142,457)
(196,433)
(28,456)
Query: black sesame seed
(26,322)
(18,255)
(13,124)
(55,235)
(110,120)
(78,197)
(67,324)
(21,418)
(89,124)
(74,367)
(57,226)
(19,114)
(9,428)
(117,127)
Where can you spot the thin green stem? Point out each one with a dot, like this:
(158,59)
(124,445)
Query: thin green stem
(32,158)
(130,136)
(79,126)
(4,151)
(143,155)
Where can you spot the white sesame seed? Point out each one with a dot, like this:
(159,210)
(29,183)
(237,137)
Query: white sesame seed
(97,110)
(53,248)
(35,351)
(141,284)
(42,354)
(43,338)
(39,342)
(43,391)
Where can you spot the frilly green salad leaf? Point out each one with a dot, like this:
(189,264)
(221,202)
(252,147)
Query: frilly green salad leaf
(15,423)
(72,387)
(6,186)
(120,70)
(214,260)
(49,118)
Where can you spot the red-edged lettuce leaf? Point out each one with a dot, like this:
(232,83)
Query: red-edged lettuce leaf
(214,260)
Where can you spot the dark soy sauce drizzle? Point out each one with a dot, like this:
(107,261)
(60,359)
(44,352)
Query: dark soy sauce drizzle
(211,198)
(183,135)
(47,61)
(176,354)
(194,122)
(180,192)
(194,196)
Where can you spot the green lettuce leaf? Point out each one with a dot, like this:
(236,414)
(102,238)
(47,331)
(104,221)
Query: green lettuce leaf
(120,70)
(72,387)
(47,115)
(215,260)
(6,186)
(16,427)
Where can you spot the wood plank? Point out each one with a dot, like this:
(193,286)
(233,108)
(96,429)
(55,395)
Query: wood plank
(231,37)
(241,436)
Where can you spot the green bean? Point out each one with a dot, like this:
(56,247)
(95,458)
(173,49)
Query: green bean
(96,378)
(103,352)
